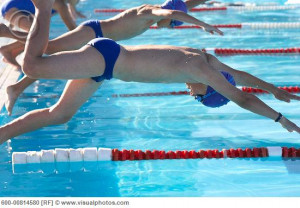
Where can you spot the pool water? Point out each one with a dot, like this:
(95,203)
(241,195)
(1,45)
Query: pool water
(167,123)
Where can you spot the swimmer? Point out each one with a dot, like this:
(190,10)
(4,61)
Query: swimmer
(125,25)
(20,14)
(103,59)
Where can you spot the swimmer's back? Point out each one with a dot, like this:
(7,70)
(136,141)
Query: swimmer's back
(128,24)
(153,63)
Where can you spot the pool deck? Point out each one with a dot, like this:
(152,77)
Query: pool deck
(8,76)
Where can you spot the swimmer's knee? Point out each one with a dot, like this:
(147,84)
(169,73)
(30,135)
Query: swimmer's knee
(60,115)
(51,48)
(30,67)
(26,64)
(64,118)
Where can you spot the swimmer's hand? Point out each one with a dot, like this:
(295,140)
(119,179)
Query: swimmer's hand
(212,29)
(284,95)
(288,125)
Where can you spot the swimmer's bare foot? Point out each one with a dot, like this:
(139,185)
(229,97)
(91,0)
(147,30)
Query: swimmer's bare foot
(2,137)
(4,31)
(9,57)
(1,141)
(11,98)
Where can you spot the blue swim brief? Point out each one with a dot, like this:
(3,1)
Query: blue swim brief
(95,25)
(110,51)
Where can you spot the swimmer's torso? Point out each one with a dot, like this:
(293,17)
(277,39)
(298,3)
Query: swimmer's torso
(156,63)
(128,24)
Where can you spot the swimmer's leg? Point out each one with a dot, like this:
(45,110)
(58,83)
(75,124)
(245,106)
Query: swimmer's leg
(10,52)
(82,63)
(13,92)
(7,32)
(75,94)
(71,40)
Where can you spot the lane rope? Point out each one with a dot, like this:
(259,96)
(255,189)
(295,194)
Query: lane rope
(290,89)
(225,8)
(232,51)
(258,25)
(107,154)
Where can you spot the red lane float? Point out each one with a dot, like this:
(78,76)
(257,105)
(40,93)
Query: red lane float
(208,9)
(291,89)
(122,155)
(107,154)
(231,52)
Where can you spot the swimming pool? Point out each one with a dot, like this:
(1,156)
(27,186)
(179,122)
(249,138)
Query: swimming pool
(168,123)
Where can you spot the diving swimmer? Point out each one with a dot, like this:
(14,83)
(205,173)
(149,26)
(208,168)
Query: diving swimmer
(125,25)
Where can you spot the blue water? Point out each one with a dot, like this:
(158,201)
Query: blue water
(167,123)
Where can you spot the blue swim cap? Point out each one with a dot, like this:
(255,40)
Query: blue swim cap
(212,98)
(175,5)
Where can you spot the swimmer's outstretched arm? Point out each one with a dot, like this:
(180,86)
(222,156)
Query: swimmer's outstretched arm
(74,12)
(65,14)
(245,100)
(246,79)
(181,16)
(193,3)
